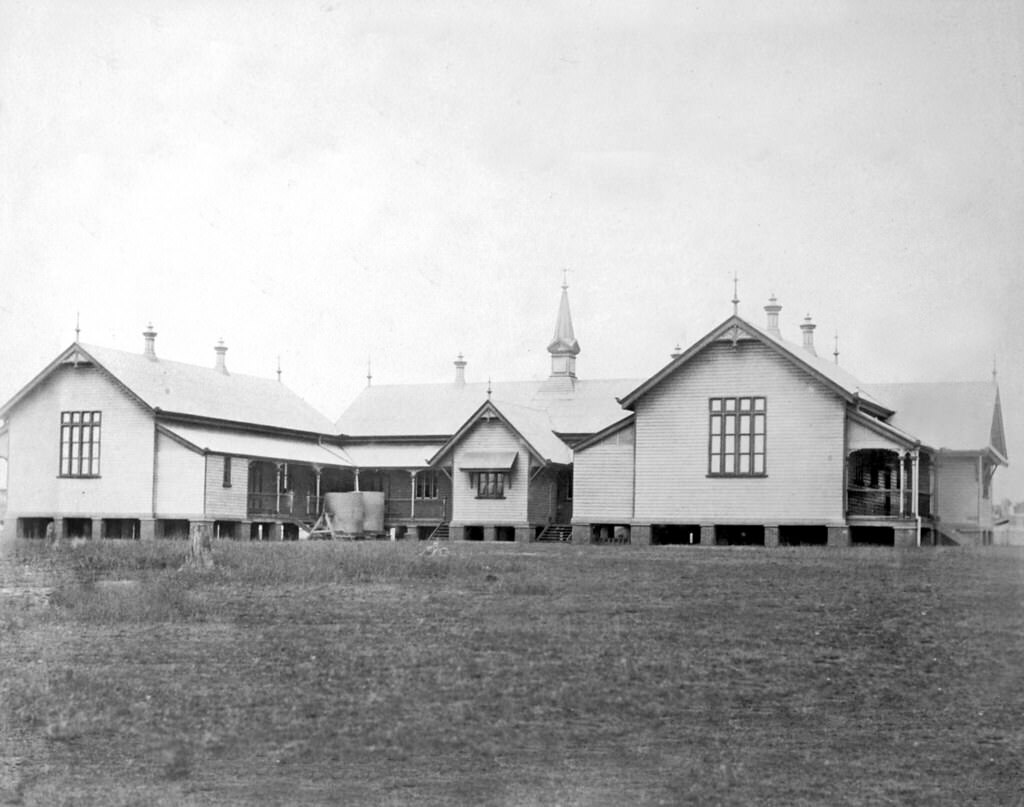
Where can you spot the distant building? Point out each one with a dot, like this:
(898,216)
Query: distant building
(742,438)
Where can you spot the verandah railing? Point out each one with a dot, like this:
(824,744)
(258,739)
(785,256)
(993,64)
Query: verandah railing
(309,506)
(885,503)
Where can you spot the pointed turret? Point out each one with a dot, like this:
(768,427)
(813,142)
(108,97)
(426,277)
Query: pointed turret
(564,348)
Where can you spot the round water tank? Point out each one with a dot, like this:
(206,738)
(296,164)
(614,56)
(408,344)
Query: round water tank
(345,510)
(373,512)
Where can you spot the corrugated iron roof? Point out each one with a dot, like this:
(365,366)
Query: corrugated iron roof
(392,455)
(953,415)
(260,446)
(573,407)
(205,392)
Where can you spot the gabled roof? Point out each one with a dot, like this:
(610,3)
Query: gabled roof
(956,416)
(532,426)
(194,391)
(439,410)
(735,327)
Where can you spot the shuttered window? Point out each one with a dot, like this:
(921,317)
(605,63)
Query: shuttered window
(80,443)
(736,445)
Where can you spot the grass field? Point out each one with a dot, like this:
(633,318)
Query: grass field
(490,674)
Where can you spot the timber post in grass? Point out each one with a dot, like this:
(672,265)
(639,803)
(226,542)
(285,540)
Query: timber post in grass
(200,545)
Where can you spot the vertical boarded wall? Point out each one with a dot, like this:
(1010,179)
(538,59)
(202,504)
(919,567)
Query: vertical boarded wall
(180,478)
(957,488)
(804,443)
(603,479)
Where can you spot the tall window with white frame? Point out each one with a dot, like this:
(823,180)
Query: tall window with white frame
(80,443)
(737,433)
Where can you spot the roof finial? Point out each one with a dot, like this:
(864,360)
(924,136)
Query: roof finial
(835,351)
(995,371)
(489,390)
(369,373)
(279,368)
(565,278)
(78,325)
(735,294)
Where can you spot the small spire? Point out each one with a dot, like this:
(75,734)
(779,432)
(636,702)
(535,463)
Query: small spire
(995,370)
(565,279)
(489,390)
(835,351)
(563,347)
(78,326)
(369,372)
(279,369)
(735,294)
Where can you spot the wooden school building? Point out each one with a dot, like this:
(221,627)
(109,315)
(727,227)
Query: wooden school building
(743,438)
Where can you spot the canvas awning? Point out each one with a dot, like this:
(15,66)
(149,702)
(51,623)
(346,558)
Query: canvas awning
(487,460)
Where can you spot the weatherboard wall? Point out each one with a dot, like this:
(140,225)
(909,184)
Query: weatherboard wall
(124,486)
(804,475)
(226,502)
(490,435)
(603,479)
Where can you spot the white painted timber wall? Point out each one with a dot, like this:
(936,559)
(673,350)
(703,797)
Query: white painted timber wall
(466,508)
(603,480)
(125,485)
(222,502)
(180,475)
(804,444)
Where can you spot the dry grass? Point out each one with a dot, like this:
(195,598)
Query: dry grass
(376,673)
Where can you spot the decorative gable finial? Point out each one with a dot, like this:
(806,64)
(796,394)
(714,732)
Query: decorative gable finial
(489,390)
(78,326)
(369,373)
(995,370)
(835,351)
(279,368)
(735,294)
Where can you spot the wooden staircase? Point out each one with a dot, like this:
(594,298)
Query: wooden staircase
(556,533)
(440,533)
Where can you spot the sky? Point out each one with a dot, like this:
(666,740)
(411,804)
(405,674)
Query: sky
(341,184)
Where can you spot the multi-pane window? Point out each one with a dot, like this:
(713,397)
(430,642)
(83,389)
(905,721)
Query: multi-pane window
(488,484)
(426,485)
(736,447)
(79,443)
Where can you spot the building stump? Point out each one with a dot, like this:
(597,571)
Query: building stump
(200,545)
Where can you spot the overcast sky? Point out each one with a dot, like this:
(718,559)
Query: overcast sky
(332,182)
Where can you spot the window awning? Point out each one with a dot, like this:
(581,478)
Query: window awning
(487,460)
